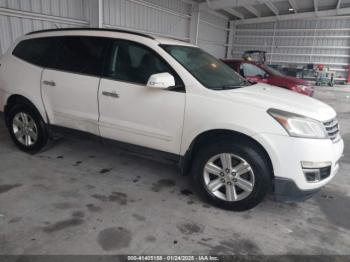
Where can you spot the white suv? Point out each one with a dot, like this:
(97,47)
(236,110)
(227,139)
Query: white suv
(239,140)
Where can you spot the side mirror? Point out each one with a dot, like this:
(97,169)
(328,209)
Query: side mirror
(161,81)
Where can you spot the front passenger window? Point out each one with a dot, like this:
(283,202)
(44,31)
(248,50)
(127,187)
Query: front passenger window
(251,70)
(135,63)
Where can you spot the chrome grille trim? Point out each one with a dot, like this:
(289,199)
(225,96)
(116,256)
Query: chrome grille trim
(332,128)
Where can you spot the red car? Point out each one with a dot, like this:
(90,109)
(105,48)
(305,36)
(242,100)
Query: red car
(262,73)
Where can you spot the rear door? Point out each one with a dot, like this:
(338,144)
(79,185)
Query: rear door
(70,86)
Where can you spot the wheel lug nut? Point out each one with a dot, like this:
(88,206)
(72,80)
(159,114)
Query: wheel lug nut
(222,174)
(223,180)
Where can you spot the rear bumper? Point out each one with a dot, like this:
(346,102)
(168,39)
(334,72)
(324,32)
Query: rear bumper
(285,190)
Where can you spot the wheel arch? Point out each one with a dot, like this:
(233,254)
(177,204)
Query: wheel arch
(14,99)
(216,134)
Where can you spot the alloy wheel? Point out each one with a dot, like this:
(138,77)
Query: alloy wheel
(25,129)
(229,177)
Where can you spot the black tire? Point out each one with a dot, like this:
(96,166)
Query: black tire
(246,150)
(41,128)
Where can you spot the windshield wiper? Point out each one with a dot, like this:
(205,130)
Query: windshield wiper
(242,84)
(227,87)
(245,82)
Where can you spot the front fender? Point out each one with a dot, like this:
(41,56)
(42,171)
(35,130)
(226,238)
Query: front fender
(196,132)
(224,114)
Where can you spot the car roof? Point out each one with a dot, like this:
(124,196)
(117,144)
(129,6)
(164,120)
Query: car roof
(232,60)
(160,40)
(240,61)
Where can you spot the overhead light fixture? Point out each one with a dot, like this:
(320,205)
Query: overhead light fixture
(291,9)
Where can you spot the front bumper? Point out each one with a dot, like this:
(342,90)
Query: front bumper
(285,190)
(307,91)
(287,154)
(311,92)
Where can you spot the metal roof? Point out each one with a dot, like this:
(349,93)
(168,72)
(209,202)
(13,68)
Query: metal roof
(255,11)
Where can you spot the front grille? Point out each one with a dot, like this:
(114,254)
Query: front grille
(332,128)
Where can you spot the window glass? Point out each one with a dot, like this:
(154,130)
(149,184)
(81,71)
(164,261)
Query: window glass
(208,70)
(251,70)
(82,55)
(38,51)
(135,63)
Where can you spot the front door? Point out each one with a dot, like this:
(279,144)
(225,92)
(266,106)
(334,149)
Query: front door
(253,73)
(130,111)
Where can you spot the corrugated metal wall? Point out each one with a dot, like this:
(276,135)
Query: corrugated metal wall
(161,17)
(169,18)
(212,35)
(18,17)
(298,42)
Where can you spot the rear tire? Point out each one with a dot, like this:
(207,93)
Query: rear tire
(238,186)
(27,128)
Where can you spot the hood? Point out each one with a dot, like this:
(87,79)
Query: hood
(292,80)
(266,97)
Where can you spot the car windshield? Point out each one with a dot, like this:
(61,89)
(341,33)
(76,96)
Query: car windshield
(272,71)
(209,71)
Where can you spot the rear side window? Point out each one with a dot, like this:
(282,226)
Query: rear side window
(83,55)
(38,51)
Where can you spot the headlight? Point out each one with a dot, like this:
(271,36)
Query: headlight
(304,88)
(299,126)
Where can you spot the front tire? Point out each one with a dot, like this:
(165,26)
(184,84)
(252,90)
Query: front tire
(233,175)
(27,128)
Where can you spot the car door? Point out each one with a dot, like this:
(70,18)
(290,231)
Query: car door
(253,73)
(70,84)
(130,111)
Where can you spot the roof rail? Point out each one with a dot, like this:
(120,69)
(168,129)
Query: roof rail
(90,29)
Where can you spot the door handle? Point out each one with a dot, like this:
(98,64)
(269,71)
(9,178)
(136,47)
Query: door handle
(49,83)
(110,94)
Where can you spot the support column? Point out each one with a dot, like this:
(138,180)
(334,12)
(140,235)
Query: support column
(96,13)
(231,35)
(194,24)
(273,42)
